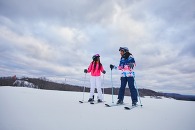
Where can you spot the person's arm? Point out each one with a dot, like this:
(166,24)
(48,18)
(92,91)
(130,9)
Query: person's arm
(121,64)
(102,70)
(90,67)
(132,63)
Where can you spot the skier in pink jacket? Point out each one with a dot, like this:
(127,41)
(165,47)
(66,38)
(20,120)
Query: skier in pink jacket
(95,68)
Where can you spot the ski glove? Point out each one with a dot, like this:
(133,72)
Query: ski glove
(85,70)
(104,72)
(131,65)
(111,66)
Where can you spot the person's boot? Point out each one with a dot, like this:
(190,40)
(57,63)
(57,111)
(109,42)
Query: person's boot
(90,100)
(99,100)
(119,102)
(134,104)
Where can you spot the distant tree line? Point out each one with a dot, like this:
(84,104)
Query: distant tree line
(43,83)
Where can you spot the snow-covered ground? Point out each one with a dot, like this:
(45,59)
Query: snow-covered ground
(34,109)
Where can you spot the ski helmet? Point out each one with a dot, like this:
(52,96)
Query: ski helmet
(125,49)
(95,56)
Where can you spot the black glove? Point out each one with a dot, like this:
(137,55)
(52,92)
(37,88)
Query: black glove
(104,72)
(85,70)
(111,66)
(131,65)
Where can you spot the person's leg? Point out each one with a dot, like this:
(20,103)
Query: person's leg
(122,88)
(92,87)
(132,89)
(98,86)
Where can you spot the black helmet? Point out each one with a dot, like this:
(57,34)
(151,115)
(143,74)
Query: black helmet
(95,56)
(125,49)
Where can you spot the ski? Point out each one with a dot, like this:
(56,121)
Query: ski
(87,102)
(112,105)
(83,101)
(131,107)
(96,102)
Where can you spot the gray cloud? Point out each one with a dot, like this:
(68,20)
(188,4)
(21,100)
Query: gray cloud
(58,38)
(68,13)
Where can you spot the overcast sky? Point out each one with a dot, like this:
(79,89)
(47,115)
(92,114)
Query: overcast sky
(57,38)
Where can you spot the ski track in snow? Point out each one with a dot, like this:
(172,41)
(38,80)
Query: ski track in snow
(34,109)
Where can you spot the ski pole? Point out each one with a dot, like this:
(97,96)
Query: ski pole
(84,87)
(103,87)
(137,92)
(112,88)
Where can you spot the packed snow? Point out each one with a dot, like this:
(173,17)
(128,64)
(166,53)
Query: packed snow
(35,109)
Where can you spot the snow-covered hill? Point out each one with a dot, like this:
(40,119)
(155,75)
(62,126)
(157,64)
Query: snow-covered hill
(34,109)
(24,83)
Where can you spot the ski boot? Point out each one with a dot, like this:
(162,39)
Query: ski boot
(99,100)
(134,104)
(119,102)
(90,100)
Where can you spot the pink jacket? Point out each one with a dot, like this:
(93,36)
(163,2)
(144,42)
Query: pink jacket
(95,72)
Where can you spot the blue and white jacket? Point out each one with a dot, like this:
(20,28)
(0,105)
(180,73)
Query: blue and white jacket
(126,65)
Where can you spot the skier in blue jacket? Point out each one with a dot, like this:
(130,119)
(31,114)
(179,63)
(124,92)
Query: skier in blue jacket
(126,65)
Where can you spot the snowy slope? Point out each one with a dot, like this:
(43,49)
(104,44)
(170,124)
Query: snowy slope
(35,109)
